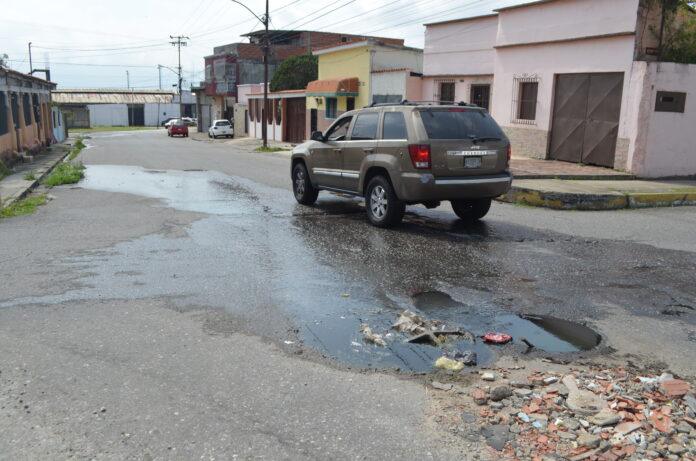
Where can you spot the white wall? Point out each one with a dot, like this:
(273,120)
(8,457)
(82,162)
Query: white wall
(460,48)
(567,19)
(544,61)
(165,111)
(393,58)
(108,114)
(389,83)
(661,143)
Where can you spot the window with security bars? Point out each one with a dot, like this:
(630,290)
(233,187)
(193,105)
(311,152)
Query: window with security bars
(525,92)
(446,92)
(481,95)
(26,107)
(37,107)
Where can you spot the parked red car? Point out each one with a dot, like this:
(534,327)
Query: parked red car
(178,127)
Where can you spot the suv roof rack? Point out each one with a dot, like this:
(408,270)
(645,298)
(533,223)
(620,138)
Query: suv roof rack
(406,102)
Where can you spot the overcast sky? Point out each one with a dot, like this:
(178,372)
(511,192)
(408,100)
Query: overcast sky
(92,44)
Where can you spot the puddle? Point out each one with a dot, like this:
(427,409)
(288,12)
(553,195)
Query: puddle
(549,334)
(202,191)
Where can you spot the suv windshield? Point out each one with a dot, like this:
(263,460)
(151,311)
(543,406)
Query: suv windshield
(460,124)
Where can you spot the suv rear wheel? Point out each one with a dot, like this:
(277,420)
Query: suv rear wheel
(305,193)
(384,209)
(471,209)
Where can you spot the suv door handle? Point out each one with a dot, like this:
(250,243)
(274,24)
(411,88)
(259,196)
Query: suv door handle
(338,151)
(368,150)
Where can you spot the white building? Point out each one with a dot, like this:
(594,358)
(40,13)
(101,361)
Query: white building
(84,107)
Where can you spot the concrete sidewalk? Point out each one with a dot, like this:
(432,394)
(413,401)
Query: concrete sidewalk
(16,187)
(608,194)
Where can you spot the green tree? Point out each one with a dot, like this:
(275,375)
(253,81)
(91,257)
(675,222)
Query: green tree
(295,73)
(677,33)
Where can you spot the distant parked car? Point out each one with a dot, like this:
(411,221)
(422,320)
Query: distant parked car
(167,122)
(178,127)
(189,121)
(221,128)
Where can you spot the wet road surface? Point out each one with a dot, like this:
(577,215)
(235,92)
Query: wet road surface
(188,244)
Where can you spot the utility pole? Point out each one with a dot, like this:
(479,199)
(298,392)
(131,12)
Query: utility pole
(266,48)
(127,80)
(179,42)
(31,66)
(159,74)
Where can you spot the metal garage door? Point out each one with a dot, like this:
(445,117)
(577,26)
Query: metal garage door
(586,118)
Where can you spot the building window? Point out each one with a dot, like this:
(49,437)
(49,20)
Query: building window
(26,107)
(481,95)
(350,103)
(446,92)
(37,107)
(14,101)
(4,129)
(331,108)
(525,91)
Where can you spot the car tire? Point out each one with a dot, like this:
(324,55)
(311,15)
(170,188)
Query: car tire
(305,192)
(384,209)
(209,135)
(215,137)
(471,209)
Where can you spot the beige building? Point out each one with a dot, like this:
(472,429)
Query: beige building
(25,114)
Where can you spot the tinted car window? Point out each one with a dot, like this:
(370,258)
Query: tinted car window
(460,124)
(394,126)
(339,130)
(222,124)
(365,127)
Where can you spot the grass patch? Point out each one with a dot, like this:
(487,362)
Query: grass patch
(96,129)
(77,148)
(26,206)
(4,171)
(270,149)
(30,175)
(65,173)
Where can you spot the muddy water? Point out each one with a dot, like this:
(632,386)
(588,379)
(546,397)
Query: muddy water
(259,255)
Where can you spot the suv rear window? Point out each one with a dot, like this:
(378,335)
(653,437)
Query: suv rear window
(459,124)
(222,123)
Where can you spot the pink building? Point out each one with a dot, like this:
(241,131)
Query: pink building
(572,80)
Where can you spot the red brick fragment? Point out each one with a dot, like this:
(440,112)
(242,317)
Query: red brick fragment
(675,388)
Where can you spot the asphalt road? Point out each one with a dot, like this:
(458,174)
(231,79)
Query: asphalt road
(178,304)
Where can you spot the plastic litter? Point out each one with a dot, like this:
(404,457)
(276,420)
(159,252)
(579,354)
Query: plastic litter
(447,363)
(497,338)
(371,337)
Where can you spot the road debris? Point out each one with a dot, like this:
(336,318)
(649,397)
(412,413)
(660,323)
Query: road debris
(371,337)
(447,363)
(497,338)
(595,415)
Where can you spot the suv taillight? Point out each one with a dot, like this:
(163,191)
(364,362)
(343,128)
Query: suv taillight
(420,155)
(509,154)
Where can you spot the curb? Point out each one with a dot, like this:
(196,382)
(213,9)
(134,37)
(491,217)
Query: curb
(49,167)
(589,202)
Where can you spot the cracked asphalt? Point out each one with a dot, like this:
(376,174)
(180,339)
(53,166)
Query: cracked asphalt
(178,304)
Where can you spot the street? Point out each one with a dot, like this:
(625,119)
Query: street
(179,304)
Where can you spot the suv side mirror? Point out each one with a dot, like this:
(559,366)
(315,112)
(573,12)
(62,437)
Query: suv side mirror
(317,136)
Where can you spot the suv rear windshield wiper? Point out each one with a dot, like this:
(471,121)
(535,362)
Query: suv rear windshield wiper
(482,139)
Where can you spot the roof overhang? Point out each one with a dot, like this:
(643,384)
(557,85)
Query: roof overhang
(333,87)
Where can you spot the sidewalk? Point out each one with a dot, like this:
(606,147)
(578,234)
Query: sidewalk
(15,187)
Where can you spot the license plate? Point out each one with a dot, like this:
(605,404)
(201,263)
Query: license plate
(472,162)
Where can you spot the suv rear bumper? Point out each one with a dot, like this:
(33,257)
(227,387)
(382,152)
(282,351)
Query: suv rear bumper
(418,187)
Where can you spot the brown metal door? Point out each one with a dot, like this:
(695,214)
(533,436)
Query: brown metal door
(586,118)
(295,119)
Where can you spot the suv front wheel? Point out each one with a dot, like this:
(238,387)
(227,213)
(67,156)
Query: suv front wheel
(305,193)
(471,209)
(384,209)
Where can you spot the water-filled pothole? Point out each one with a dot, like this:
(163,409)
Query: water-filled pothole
(547,333)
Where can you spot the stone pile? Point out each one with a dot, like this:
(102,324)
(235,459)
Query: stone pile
(596,414)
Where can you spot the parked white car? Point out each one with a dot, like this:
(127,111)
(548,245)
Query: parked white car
(221,128)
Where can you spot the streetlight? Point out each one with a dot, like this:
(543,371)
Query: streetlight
(159,71)
(264,20)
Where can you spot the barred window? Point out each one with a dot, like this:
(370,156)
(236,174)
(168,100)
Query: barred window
(4,120)
(524,104)
(26,107)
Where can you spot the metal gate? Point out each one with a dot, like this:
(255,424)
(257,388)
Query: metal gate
(586,118)
(295,120)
